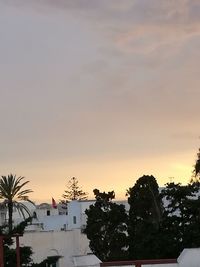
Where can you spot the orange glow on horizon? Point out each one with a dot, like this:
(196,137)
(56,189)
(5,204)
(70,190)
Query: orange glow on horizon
(124,173)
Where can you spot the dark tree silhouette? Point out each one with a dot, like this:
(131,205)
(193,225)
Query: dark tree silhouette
(145,216)
(196,171)
(107,227)
(181,218)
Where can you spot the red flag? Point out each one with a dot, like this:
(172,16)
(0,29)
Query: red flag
(54,205)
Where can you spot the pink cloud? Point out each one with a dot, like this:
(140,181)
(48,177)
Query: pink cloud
(147,39)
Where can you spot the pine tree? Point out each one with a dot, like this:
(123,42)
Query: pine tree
(74,191)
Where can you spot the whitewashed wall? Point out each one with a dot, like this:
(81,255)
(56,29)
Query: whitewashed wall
(189,258)
(74,215)
(63,243)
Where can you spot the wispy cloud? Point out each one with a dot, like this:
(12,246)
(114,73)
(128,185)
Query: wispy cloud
(149,39)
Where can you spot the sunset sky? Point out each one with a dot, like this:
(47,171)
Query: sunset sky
(103,90)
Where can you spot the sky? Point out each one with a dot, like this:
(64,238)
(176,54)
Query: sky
(103,90)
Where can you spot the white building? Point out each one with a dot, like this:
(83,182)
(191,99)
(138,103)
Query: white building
(59,232)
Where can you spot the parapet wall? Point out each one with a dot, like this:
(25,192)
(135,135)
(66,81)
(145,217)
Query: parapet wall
(141,263)
(188,258)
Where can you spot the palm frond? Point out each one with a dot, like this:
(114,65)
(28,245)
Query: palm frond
(22,209)
(11,190)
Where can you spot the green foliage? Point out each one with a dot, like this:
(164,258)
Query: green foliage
(19,229)
(160,224)
(181,218)
(10,252)
(74,191)
(12,192)
(107,227)
(145,217)
(196,171)
(10,256)
(25,252)
(50,261)
(144,200)
(163,231)
(25,258)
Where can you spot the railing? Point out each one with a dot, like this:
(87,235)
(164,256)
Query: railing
(138,263)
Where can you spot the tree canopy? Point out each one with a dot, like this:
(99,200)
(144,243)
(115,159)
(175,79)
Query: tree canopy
(160,223)
(181,219)
(107,227)
(196,170)
(145,216)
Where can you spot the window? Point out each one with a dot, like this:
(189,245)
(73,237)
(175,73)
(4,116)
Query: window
(48,212)
(74,219)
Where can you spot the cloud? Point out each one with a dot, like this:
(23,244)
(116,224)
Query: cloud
(95,80)
(149,39)
(156,26)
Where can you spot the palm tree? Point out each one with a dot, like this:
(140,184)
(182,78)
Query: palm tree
(11,190)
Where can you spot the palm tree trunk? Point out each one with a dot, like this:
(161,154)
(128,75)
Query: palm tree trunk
(10,215)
